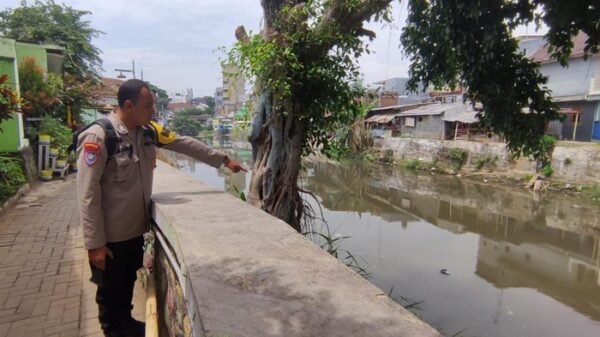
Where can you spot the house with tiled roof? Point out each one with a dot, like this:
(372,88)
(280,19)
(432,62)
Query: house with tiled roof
(107,101)
(575,89)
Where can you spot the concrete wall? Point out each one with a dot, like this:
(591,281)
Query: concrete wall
(31,50)
(574,80)
(431,127)
(248,274)
(583,164)
(586,124)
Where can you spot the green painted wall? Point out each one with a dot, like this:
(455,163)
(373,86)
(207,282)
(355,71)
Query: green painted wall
(8,65)
(11,135)
(38,52)
(7,48)
(88,116)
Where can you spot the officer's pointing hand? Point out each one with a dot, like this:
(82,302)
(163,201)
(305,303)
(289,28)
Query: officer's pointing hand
(234,166)
(98,257)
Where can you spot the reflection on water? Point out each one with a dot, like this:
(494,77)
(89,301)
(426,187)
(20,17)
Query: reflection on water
(519,264)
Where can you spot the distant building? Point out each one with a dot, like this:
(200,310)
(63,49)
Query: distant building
(234,89)
(393,91)
(575,89)
(173,107)
(219,100)
(50,59)
(450,120)
(529,44)
(106,102)
(189,95)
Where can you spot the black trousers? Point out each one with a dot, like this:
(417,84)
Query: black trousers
(115,283)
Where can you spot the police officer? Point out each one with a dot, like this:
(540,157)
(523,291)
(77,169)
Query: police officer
(114,184)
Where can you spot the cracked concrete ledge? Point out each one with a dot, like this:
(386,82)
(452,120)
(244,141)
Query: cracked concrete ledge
(249,274)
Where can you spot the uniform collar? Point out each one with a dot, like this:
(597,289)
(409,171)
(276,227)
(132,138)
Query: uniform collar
(119,125)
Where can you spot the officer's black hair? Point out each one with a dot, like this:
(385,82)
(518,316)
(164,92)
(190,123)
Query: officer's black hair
(130,90)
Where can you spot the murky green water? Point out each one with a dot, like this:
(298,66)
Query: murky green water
(518,264)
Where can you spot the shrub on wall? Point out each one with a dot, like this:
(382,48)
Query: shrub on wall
(11,177)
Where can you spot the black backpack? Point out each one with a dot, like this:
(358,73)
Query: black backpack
(112,141)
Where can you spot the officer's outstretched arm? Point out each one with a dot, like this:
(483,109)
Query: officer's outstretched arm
(91,160)
(188,146)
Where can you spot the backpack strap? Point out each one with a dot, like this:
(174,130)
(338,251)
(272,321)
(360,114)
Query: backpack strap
(150,135)
(111,139)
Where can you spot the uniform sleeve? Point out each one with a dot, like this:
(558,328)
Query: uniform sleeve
(196,149)
(90,167)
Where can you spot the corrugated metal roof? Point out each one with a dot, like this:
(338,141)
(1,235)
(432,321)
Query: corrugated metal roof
(435,109)
(463,117)
(400,106)
(382,119)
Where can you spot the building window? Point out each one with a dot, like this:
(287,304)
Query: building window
(573,118)
(409,121)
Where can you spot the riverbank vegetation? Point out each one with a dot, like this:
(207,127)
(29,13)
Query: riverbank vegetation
(11,177)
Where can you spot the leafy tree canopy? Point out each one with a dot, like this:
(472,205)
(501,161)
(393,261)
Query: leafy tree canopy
(472,43)
(50,23)
(184,125)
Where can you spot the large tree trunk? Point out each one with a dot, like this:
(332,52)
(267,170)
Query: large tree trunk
(277,150)
(278,132)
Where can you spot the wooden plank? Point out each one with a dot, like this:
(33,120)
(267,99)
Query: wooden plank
(151,308)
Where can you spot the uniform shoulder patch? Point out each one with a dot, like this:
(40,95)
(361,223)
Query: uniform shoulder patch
(91,152)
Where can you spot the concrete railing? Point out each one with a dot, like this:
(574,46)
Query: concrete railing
(225,268)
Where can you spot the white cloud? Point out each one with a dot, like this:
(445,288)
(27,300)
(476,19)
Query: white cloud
(174,41)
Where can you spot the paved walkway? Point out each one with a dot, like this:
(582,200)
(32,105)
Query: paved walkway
(44,287)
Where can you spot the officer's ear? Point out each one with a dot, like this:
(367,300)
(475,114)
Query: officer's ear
(128,104)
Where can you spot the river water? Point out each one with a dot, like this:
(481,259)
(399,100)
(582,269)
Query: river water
(514,263)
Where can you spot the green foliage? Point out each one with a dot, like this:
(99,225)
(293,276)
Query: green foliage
(194,111)
(41,93)
(11,177)
(388,156)
(239,193)
(163,98)
(47,22)
(9,100)
(309,66)
(184,125)
(60,134)
(350,139)
(240,132)
(483,161)
(417,165)
(547,170)
(455,156)
(591,191)
(210,101)
(548,142)
(472,44)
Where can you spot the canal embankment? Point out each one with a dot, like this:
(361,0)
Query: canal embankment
(574,166)
(226,268)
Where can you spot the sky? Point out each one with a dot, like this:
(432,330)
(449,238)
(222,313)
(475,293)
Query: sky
(177,42)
